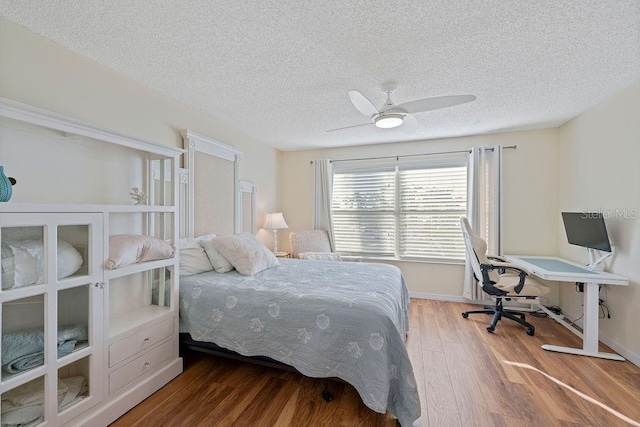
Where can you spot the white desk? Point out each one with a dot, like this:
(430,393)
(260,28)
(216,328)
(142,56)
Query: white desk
(557,269)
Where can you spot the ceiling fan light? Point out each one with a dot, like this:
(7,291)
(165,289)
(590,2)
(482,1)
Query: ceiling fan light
(389,121)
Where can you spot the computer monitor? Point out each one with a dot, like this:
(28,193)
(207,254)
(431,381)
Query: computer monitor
(586,229)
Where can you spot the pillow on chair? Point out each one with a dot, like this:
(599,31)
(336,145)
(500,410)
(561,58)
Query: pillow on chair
(320,256)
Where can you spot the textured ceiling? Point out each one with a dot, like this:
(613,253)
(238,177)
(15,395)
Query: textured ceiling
(280,70)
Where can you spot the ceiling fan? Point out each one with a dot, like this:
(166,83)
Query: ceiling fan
(392,116)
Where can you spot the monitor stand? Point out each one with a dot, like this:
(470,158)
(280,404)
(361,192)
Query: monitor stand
(595,263)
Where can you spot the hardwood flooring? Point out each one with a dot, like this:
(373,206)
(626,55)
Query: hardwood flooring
(465,376)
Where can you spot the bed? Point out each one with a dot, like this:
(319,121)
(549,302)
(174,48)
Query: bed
(325,319)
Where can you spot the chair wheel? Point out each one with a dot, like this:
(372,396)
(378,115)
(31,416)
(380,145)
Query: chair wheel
(465,315)
(490,329)
(531,331)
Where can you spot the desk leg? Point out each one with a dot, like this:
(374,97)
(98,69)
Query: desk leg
(590,328)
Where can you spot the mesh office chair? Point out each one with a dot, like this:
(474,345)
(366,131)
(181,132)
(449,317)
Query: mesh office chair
(497,278)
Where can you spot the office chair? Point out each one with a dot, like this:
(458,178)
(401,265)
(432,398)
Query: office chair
(496,277)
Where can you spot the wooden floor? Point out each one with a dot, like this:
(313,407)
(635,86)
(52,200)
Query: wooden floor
(464,374)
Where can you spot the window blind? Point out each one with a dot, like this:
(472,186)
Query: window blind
(363,209)
(431,202)
(404,213)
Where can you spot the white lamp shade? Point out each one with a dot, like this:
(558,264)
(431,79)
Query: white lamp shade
(275,221)
(389,121)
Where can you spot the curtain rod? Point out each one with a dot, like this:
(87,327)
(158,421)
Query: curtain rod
(415,155)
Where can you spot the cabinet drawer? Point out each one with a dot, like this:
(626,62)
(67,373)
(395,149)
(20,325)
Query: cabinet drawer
(140,366)
(129,346)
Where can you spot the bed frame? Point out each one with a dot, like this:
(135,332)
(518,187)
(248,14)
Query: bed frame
(187,343)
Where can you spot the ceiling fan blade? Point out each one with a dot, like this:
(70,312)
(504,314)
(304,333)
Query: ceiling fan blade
(410,124)
(362,103)
(349,127)
(428,104)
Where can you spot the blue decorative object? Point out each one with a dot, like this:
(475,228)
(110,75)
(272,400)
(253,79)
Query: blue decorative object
(5,187)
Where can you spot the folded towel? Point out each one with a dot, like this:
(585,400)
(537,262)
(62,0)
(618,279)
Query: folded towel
(24,416)
(72,332)
(26,362)
(31,393)
(24,405)
(25,349)
(77,388)
(17,345)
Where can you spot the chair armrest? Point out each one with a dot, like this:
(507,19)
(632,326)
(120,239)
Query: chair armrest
(511,266)
(499,259)
(487,283)
(522,273)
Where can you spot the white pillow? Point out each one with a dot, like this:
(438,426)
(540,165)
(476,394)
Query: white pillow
(126,249)
(8,266)
(69,259)
(218,262)
(19,268)
(193,259)
(320,256)
(245,253)
(23,265)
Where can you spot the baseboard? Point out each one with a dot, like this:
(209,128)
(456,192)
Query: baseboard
(618,348)
(106,413)
(622,351)
(439,297)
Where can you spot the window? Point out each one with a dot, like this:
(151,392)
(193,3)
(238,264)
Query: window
(402,211)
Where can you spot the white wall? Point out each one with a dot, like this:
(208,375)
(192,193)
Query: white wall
(40,73)
(530,206)
(599,169)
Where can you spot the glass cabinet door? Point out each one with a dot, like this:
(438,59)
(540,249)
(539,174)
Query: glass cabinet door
(51,303)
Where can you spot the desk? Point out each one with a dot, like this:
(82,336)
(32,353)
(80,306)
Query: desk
(557,269)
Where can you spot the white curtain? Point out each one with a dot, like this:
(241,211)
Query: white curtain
(323,172)
(484,207)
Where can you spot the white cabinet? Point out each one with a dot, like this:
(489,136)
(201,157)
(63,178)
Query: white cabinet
(85,342)
(51,299)
(135,344)
(146,362)
(140,304)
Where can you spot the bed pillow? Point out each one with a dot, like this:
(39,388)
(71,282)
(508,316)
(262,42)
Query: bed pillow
(218,262)
(126,249)
(320,256)
(245,253)
(193,259)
